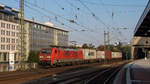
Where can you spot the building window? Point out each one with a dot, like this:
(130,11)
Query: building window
(2,32)
(8,33)
(5,56)
(2,47)
(3,25)
(2,39)
(17,27)
(13,47)
(7,26)
(12,33)
(8,40)
(13,27)
(12,40)
(6,17)
(8,47)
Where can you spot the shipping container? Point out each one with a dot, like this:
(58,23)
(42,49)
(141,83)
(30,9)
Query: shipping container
(116,55)
(100,54)
(108,54)
(89,53)
(85,53)
(92,54)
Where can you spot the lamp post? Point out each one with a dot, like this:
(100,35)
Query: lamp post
(146,45)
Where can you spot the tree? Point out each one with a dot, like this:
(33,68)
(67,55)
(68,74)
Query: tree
(91,46)
(85,46)
(100,47)
(33,57)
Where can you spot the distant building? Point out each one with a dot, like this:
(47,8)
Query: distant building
(79,45)
(122,43)
(39,35)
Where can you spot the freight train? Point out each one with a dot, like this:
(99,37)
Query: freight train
(60,56)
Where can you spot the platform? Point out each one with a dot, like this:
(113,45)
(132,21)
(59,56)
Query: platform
(136,72)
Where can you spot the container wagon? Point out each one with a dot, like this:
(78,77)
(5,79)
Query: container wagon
(89,55)
(116,55)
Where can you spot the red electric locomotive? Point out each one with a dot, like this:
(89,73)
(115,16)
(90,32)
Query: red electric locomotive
(54,56)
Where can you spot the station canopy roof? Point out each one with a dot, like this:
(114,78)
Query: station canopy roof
(143,25)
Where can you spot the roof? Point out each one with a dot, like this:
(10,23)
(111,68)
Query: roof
(10,9)
(57,28)
(143,25)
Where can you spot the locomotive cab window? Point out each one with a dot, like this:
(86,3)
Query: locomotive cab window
(48,51)
(43,51)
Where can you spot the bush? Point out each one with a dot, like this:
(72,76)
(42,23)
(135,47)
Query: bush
(33,57)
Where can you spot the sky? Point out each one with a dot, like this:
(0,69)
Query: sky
(92,17)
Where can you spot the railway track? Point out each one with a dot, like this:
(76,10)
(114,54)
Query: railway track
(4,77)
(85,76)
(104,77)
(64,75)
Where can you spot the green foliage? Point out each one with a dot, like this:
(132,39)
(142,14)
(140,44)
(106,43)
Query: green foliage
(100,47)
(126,50)
(88,46)
(84,46)
(110,47)
(33,57)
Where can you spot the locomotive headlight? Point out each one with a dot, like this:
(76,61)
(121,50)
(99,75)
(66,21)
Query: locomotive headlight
(41,56)
(48,56)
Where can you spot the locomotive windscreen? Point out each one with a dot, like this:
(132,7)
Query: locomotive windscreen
(48,51)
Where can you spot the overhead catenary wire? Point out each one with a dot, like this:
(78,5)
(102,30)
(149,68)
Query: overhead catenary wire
(98,19)
(71,21)
(73,7)
(93,14)
(116,5)
(58,21)
(57,15)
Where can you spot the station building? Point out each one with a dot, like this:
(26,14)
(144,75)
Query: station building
(141,40)
(39,35)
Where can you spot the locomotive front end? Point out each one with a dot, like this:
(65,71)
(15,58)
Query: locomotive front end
(45,57)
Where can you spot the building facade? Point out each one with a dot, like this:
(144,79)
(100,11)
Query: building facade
(9,31)
(43,35)
(38,35)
